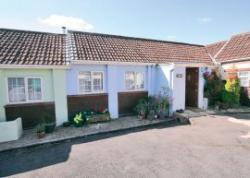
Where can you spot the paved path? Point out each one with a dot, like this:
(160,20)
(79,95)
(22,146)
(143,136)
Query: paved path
(210,147)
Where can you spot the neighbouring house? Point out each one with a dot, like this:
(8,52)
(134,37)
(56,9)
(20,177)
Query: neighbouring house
(61,74)
(32,76)
(233,56)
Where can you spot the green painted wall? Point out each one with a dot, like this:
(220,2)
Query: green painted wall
(60,96)
(47,84)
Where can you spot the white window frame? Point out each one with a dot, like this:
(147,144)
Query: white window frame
(26,89)
(136,89)
(246,77)
(92,86)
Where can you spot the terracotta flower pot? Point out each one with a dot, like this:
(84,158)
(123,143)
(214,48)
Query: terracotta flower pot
(40,134)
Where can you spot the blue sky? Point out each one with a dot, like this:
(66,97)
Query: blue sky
(193,21)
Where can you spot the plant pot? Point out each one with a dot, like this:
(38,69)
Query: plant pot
(49,128)
(98,118)
(40,134)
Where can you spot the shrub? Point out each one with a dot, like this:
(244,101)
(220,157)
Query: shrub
(213,89)
(244,98)
(142,107)
(40,128)
(228,99)
(232,94)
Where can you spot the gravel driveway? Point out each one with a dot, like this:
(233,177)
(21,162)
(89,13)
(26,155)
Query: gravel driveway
(212,146)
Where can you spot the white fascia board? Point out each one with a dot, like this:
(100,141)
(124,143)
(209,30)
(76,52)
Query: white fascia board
(235,60)
(110,63)
(139,63)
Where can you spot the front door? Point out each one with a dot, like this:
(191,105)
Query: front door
(192,82)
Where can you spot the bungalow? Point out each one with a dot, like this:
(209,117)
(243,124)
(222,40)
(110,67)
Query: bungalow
(115,71)
(32,76)
(233,56)
(61,74)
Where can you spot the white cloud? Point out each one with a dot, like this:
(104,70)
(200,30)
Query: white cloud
(73,23)
(171,37)
(205,19)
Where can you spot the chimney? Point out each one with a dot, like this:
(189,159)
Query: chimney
(64,30)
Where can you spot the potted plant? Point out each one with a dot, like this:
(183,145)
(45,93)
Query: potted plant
(40,130)
(164,108)
(50,124)
(141,109)
(163,101)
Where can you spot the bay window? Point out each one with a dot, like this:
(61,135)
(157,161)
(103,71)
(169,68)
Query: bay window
(90,82)
(134,80)
(24,89)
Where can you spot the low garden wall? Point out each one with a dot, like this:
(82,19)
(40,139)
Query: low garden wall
(11,130)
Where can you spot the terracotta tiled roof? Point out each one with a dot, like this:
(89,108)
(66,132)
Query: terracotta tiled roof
(214,48)
(102,47)
(31,48)
(238,47)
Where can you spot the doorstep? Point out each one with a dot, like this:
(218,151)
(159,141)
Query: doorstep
(29,137)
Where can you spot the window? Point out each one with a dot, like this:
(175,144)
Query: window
(244,79)
(90,82)
(24,89)
(16,90)
(134,80)
(34,89)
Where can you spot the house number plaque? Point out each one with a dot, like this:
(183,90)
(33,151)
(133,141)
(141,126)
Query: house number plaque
(178,75)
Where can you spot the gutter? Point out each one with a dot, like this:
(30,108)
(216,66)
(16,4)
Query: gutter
(140,63)
(235,60)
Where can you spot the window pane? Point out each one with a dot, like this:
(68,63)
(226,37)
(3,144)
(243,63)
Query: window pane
(97,81)
(85,82)
(130,80)
(243,74)
(34,89)
(244,79)
(244,82)
(139,80)
(16,89)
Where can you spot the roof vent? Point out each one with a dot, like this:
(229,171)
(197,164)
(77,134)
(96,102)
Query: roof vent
(64,30)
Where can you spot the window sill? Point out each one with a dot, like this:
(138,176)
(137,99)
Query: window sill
(133,91)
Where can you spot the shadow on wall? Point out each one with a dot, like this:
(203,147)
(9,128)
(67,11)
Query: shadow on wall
(164,79)
(23,160)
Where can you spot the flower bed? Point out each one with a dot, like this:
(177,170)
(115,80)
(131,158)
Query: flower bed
(90,116)
(98,118)
(154,107)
